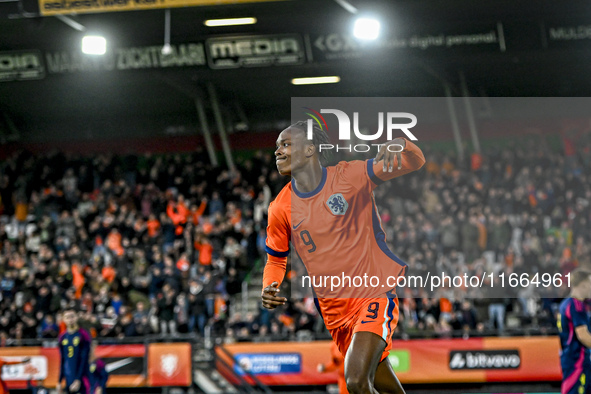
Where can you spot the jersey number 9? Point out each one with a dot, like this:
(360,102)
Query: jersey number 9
(373,309)
(307,239)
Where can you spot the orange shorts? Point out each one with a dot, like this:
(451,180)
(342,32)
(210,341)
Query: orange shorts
(378,315)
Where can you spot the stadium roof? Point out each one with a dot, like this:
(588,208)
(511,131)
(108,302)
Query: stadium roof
(503,47)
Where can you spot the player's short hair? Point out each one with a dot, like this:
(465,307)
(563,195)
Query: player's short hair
(70,308)
(578,276)
(319,137)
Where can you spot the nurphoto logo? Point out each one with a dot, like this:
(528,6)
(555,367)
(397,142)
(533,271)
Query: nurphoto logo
(391,120)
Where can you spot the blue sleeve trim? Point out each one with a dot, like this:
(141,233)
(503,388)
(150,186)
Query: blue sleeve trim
(372,175)
(275,253)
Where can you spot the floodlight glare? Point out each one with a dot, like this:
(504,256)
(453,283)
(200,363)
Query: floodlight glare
(94,45)
(315,80)
(230,22)
(366,29)
(166,49)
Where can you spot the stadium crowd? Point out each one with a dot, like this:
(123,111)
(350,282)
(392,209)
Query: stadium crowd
(160,244)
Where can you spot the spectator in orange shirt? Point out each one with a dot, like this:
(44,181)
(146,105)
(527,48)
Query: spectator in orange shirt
(446,307)
(207,226)
(78,280)
(21,210)
(482,235)
(205,249)
(114,242)
(153,226)
(108,273)
(196,213)
(178,213)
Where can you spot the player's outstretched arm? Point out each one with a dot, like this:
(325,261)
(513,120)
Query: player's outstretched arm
(396,158)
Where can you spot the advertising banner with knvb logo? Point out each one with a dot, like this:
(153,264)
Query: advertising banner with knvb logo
(268,363)
(475,360)
(167,364)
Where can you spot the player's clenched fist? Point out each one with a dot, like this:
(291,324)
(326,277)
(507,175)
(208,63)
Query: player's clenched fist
(269,296)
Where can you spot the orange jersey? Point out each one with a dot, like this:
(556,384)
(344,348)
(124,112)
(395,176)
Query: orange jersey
(336,230)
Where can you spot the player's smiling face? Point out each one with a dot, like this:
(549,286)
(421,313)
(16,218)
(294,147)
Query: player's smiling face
(289,155)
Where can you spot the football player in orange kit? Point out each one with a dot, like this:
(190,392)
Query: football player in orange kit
(336,229)
(337,363)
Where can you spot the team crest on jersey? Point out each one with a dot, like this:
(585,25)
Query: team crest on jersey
(92,367)
(76,341)
(337,204)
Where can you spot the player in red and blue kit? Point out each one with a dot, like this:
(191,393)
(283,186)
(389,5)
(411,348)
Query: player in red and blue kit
(97,373)
(74,347)
(575,336)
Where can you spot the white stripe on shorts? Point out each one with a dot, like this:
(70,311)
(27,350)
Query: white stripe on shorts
(385,325)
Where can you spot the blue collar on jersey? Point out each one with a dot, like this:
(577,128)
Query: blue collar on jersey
(313,192)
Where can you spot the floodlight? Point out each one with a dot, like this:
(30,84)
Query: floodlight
(366,29)
(315,80)
(94,45)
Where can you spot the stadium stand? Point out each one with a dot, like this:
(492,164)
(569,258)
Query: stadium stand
(162,244)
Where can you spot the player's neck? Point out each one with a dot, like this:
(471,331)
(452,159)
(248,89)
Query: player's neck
(308,179)
(72,330)
(575,294)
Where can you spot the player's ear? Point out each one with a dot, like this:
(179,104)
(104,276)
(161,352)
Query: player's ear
(310,150)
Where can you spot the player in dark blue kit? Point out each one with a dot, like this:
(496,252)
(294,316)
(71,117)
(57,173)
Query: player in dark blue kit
(74,347)
(575,336)
(97,375)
